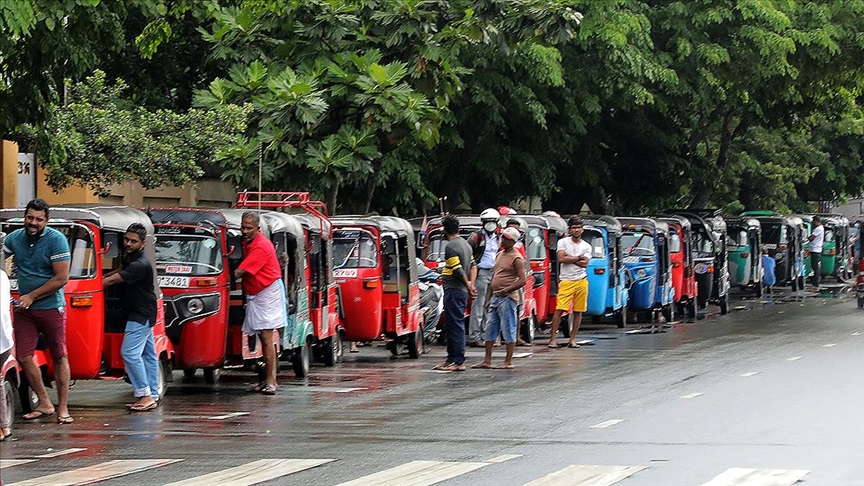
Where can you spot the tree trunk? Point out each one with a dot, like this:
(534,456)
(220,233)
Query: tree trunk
(371,183)
(706,192)
(332,194)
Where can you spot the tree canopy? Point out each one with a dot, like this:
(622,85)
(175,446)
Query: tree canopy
(384,105)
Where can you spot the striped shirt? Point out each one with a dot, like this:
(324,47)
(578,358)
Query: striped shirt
(458,259)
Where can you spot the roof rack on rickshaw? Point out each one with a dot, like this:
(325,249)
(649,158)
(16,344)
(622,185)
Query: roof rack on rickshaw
(280,200)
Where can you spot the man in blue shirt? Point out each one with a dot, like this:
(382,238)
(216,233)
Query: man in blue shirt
(42,260)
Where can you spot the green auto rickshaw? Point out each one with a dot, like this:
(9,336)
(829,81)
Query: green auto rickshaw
(744,240)
(805,243)
(835,257)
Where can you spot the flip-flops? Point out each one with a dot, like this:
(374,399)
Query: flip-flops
(482,366)
(40,414)
(268,390)
(572,345)
(143,408)
(66,419)
(504,367)
(553,346)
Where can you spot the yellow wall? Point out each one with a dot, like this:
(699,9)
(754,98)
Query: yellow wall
(9,175)
(72,194)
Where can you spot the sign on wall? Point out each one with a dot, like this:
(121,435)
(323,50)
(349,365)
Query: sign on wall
(26,178)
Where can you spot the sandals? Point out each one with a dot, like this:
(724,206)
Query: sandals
(482,366)
(67,419)
(268,390)
(572,345)
(40,414)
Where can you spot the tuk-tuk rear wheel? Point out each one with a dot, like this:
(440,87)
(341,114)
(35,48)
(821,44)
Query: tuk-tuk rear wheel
(27,398)
(724,304)
(300,360)
(415,344)
(759,289)
(669,312)
(621,317)
(11,402)
(332,353)
(211,375)
(691,308)
(528,328)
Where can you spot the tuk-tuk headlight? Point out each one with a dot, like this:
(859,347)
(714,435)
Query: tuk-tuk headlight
(641,272)
(195,306)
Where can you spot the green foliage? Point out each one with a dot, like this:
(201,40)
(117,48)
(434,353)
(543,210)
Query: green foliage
(99,139)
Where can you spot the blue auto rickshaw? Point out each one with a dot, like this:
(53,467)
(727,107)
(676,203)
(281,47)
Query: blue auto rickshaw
(607,276)
(645,251)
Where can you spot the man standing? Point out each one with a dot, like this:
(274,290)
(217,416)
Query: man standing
(817,239)
(503,298)
(138,302)
(458,277)
(573,254)
(485,243)
(42,260)
(265,294)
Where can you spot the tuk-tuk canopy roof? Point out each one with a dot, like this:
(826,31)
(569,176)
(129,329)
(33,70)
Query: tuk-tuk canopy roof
(761,214)
(749,223)
(282,223)
(106,216)
(190,216)
(384,223)
(235,219)
(612,224)
(555,223)
(835,219)
(675,219)
(652,224)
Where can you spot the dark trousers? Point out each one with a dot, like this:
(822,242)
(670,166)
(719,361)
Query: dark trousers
(455,301)
(815,259)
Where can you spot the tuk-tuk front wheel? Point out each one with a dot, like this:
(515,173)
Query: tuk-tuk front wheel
(415,343)
(9,391)
(300,360)
(211,375)
(621,317)
(162,378)
(759,289)
(691,308)
(27,398)
(724,304)
(668,312)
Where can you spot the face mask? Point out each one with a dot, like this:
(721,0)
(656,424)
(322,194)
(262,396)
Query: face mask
(490,226)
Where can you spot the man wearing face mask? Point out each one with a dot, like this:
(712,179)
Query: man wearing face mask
(485,242)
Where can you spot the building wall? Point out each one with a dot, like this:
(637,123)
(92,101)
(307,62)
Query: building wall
(9,174)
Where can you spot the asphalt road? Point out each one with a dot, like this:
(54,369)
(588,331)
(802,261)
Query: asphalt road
(771,393)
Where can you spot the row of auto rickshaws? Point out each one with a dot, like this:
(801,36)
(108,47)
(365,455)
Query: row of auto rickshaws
(357,278)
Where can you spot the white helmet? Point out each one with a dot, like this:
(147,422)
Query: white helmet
(490,215)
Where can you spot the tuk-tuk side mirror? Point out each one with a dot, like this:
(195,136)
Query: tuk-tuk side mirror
(112,245)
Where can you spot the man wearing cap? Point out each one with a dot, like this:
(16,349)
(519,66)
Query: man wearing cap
(502,299)
(573,255)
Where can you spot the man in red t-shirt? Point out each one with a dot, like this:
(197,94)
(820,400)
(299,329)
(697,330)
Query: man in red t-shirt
(265,294)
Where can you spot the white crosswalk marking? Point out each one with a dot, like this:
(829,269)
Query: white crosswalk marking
(99,472)
(417,473)
(737,476)
(254,472)
(4,463)
(584,475)
(61,452)
(608,423)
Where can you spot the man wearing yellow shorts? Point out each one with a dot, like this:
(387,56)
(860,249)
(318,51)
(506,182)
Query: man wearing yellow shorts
(573,255)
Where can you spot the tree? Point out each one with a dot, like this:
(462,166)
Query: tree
(99,138)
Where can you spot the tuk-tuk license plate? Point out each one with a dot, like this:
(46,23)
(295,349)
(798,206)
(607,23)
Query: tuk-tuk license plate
(174,282)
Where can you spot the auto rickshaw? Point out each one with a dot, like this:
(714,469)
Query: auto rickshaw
(782,236)
(607,277)
(97,324)
(193,272)
(706,247)
(374,265)
(720,293)
(835,250)
(544,231)
(9,368)
(324,341)
(645,250)
(683,264)
(743,241)
(807,219)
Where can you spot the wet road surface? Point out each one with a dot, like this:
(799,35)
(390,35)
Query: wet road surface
(773,393)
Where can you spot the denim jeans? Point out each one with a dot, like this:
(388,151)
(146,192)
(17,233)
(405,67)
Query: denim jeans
(502,319)
(139,355)
(455,301)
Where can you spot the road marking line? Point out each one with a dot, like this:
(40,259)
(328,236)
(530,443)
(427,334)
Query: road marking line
(762,477)
(692,395)
(98,472)
(254,472)
(830,345)
(61,453)
(794,358)
(504,458)
(14,462)
(856,333)
(417,473)
(522,355)
(584,475)
(603,425)
(334,390)
(228,415)
(750,373)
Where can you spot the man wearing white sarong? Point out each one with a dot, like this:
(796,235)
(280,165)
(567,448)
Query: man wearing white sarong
(265,294)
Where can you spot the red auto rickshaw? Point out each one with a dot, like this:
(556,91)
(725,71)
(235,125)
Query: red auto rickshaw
(374,264)
(96,324)
(193,272)
(683,265)
(324,341)
(544,231)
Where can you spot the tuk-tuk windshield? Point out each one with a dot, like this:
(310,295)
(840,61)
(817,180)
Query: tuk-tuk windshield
(829,234)
(774,233)
(703,244)
(737,237)
(536,244)
(637,243)
(435,249)
(188,255)
(595,239)
(83,263)
(674,242)
(354,249)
